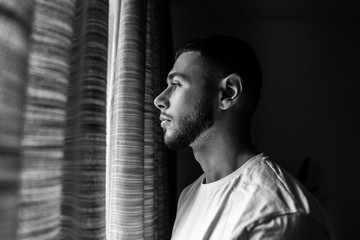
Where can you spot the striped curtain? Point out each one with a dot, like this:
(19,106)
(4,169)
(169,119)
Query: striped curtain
(138,186)
(53,58)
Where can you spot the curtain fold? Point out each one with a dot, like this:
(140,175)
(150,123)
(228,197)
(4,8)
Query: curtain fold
(139,205)
(53,119)
(83,194)
(15,19)
(44,119)
(127,126)
(53,96)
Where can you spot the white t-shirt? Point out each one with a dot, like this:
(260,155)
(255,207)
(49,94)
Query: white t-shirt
(257,201)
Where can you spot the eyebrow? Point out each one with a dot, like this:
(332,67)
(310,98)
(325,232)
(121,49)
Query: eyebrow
(175,74)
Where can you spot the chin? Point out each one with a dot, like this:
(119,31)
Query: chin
(167,139)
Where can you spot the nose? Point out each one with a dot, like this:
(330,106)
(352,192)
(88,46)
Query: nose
(161,101)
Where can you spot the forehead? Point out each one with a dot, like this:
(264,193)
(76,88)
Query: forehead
(190,65)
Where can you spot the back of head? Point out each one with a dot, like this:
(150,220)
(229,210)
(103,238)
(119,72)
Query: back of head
(227,55)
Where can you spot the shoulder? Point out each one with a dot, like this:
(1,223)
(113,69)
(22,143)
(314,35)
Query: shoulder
(263,170)
(263,190)
(278,199)
(267,175)
(275,185)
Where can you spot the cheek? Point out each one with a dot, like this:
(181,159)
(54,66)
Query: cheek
(185,98)
(179,103)
(182,109)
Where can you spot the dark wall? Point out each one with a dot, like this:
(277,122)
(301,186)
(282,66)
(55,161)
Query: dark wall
(309,113)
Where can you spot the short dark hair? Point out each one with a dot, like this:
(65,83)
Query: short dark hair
(229,55)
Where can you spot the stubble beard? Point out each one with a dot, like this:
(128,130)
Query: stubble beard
(191,125)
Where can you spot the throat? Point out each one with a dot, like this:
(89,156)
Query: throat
(218,164)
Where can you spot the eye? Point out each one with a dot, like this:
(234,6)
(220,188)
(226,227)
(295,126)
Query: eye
(175,84)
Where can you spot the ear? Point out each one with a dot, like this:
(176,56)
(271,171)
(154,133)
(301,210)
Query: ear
(231,89)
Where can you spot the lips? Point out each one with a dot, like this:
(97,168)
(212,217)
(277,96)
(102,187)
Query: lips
(165,119)
(164,123)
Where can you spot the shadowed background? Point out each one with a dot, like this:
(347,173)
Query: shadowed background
(308,116)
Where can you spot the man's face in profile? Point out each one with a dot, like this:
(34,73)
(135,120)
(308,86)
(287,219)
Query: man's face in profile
(186,104)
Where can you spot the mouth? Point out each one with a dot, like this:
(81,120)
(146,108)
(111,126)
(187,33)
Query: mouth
(164,123)
(165,120)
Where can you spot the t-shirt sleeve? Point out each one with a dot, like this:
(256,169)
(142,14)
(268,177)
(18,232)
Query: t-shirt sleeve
(294,226)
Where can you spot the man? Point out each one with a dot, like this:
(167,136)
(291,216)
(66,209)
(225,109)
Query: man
(212,93)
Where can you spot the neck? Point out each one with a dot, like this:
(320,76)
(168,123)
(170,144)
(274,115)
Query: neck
(221,153)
